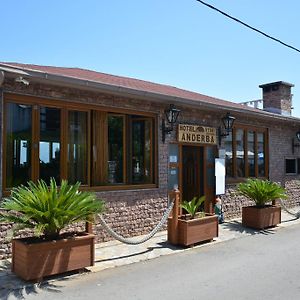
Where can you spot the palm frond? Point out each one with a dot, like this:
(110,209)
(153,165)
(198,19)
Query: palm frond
(261,191)
(193,206)
(49,209)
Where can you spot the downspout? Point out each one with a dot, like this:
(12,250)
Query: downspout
(2,76)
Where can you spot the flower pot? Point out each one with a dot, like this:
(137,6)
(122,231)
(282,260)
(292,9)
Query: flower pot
(261,217)
(197,230)
(33,260)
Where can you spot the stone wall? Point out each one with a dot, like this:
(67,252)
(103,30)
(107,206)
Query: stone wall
(131,213)
(233,203)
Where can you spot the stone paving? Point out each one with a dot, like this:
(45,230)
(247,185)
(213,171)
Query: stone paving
(114,254)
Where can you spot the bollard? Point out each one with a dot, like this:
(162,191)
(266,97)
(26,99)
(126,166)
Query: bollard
(173,221)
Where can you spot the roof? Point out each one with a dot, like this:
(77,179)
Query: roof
(79,75)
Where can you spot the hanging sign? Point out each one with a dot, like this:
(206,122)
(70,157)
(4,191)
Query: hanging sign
(197,134)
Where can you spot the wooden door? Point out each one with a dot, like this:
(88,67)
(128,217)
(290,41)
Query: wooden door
(192,172)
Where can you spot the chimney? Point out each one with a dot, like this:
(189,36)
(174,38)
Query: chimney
(277,97)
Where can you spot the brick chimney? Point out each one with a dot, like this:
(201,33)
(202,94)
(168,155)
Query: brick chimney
(277,97)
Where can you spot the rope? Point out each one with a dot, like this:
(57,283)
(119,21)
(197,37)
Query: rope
(296,215)
(131,241)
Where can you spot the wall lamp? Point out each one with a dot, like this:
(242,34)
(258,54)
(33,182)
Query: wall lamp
(171,114)
(293,142)
(21,79)
(227,121)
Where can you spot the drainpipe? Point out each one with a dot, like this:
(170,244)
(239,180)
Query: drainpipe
(1,78)
(1,116)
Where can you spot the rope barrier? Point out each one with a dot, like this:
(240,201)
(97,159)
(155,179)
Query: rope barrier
(296,215)
(133,241)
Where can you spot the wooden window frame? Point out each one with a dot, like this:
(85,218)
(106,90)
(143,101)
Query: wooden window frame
(256,130)
(65,107)
(128,144)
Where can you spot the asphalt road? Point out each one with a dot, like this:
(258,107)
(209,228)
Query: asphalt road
(262,266)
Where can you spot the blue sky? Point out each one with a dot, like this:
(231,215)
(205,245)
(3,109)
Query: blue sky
(181,43)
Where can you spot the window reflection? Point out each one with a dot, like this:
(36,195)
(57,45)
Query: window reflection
(229,155)
(251,153)
(261,154)
(49,144)
(115,149)
(141,151)
(77,147)
(240,154)
(18,144)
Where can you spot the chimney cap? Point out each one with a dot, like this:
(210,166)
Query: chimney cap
(276,83)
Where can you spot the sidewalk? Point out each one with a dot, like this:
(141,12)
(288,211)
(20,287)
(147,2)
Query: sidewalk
(113,254)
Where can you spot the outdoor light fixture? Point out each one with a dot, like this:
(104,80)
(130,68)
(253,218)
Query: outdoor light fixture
(227,121)
(293,141)
(20,79)
(171,114)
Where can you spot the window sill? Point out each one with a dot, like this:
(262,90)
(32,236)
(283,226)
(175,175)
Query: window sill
(118,187)
(6,193)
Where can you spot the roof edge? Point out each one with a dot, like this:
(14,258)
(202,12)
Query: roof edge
(73,82)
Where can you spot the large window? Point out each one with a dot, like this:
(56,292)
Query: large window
(18,134)
(49,144)
(141,165)
(246,150)
(77,146)
(97,148)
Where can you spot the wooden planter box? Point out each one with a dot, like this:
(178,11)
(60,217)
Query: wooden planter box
(261,217)
(35,260)
(197,230)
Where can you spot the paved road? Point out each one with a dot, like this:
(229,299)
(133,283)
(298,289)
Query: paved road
(262,266)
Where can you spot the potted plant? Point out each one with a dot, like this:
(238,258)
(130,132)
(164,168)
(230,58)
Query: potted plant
(196,226)
(263,214)
(47,210)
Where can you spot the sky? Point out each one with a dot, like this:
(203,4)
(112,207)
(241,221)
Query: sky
(180,42)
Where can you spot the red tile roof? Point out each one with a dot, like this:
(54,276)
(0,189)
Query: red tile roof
(130,83)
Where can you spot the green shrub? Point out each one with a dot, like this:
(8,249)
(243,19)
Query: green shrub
(192,206)
(48,209)
(261,191)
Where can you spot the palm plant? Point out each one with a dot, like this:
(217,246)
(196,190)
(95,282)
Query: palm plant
(47,210)
(192,206)
(261,191)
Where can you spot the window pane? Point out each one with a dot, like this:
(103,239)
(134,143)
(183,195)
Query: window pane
(290,166)
(261,154)
(115,149)
(240,157)
(141,151)
(251,153)
(18,144)
(49,144)
(228,155)
(77,147)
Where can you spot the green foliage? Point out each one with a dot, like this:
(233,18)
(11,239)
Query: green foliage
(47,210)
(192,206)
(261,191)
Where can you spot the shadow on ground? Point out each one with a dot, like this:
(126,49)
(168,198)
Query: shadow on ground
(13,287)
(160,245)
(236,226)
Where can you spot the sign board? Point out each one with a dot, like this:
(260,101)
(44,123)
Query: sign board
(197,134)
(220,176)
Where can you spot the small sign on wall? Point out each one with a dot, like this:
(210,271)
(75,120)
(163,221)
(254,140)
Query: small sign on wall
(173,159)
(220,175)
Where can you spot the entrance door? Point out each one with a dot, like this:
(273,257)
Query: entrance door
(192,172)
